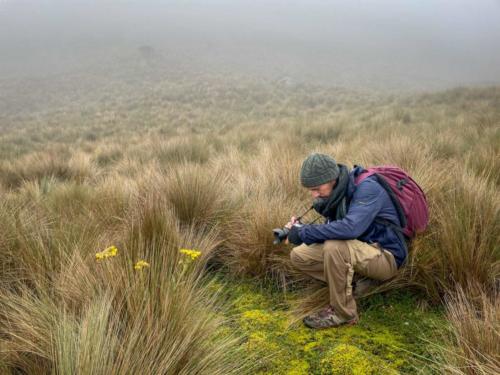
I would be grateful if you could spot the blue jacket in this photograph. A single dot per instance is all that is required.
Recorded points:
(365, 203)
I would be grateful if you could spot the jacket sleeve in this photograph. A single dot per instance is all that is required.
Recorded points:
(366, 203)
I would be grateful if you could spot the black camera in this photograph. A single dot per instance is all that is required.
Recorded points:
(280, 234)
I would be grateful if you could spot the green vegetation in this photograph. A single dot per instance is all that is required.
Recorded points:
(389, 338)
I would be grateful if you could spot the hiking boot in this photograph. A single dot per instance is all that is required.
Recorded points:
(365, 286)
(327, 318)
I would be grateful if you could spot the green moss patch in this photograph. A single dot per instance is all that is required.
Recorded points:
(389, 338)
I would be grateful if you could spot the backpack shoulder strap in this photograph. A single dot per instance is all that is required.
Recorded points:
(399, 210)
(385, 185)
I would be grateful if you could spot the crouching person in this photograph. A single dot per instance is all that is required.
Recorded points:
(362, 234)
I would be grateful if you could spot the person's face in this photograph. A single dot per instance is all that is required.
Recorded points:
(322, 191)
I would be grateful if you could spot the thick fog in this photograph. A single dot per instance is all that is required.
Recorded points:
(395, 44)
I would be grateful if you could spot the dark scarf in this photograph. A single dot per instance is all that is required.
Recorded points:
(334, 206)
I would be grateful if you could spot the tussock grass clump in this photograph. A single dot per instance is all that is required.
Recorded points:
(274, 171)
(43, 165)
(474, 335)
(462, 243)
(484, 161)
(108, 155)
(249, 240)
(267, 193)
(172, 321)
(35, 251)
(182, 149)
(100, 313)
(197, 194)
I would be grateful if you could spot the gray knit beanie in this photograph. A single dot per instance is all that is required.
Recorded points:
(318, 169)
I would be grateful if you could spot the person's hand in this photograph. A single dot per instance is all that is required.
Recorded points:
(294, 235)
(292, 221)
(293, 226)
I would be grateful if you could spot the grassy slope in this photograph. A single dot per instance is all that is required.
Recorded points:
(221, 156)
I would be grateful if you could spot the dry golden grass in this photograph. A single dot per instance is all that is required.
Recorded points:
(474, 335)
(108, 318)
(214, 166)
(63, 312)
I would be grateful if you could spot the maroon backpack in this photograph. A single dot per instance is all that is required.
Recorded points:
(407, 196)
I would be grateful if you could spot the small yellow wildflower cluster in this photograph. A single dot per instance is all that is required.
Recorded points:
(141, 264)
(106, 253)
(192, 254)
(113, 251)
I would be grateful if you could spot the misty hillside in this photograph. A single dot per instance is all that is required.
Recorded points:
(383, 44)
(149, 148)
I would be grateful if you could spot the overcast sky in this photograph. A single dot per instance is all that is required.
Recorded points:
(419, 43)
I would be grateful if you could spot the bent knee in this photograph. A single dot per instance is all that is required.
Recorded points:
(301, 256)
(337, 248)
(295, 257)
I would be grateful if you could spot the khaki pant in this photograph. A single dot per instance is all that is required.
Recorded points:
(335, 262)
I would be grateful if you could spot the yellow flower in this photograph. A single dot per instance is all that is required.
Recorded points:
(140, 265)
(107, 253)
(193, 254)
